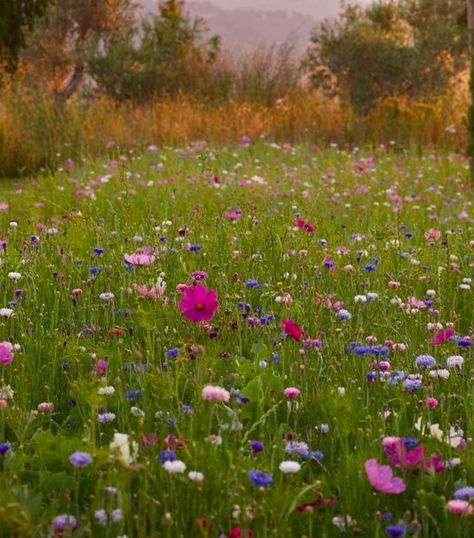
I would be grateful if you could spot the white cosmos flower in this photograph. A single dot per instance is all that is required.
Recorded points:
(195, 476)
(174, 467)
(289, 467)
(14, 276)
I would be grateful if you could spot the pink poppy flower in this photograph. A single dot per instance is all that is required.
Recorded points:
(198, 304)
(382, 479)
(6, 353)
(139, 259)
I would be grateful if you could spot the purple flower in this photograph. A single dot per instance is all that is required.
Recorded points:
(5, 447)
(425, 361)
(256, 446)
(260, 479)
(394, 530)
(63, 523)
(464, 494)
(80, 459)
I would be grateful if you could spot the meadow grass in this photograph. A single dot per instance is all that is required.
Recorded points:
(370, 253)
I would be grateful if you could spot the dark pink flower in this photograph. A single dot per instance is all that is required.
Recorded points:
(443, 336)
(198, 304)
(292, 329)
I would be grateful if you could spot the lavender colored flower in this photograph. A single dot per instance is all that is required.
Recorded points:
(80, 459)
(294, 447)
(465, 493)
(64, 522)
(117, 515)
(101, 517)
(425, 361)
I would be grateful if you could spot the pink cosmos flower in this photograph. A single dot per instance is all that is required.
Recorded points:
(6, 353)
(382, 479)
(139, 259)
(459, 507)
(433, 234)
(215, 394)
(152, 293)
(292, 329)
(198, 304)
(291, 392)
(443, 336)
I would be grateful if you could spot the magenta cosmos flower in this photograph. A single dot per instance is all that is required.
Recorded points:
(198, 304)
(6, 353)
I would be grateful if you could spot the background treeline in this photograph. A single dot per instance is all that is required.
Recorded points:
(79, 74)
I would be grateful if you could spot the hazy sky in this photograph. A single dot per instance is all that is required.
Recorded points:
(314, 7)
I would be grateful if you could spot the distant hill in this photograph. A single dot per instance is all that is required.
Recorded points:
(249, 23)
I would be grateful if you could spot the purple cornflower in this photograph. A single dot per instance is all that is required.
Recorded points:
(396, 531)
(425, 361)
(80, 459)
(259, 478)
(63, 523)
(256, 446)
(464, 494)
(5, 447)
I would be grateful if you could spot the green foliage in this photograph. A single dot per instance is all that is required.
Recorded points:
(410, 48)
(16, 17)
(164, 56)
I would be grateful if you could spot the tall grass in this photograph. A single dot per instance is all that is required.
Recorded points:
(34, 134)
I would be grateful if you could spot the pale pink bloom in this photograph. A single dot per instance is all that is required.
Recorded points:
(152, 293)
(215, 394)
(459, 507)
(291, 392)
(45, 406)
(139, 259)
(393, 284)
(77, 292)
(3, 404)
(4, 207)
(433, 234)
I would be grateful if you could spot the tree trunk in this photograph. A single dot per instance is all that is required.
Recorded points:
(470, 27)
(62, 95)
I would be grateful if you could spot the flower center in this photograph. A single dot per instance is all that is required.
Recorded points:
(200, 306)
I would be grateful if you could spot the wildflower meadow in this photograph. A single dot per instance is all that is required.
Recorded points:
(252, 341)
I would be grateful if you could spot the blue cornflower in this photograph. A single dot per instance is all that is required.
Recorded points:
(5, 447)
(80, 459)
(369, 267)
(94, 270)
(167, 455)
(409, 442)
(316, 455)
(411, 384)
(252, 283)
(396, 531)
(133, 394)
(344, 314)
(425, 361)
(194, 248)
(256, 446)
(172, 353)
(361, 350)
(260, 479)
(98, 250)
